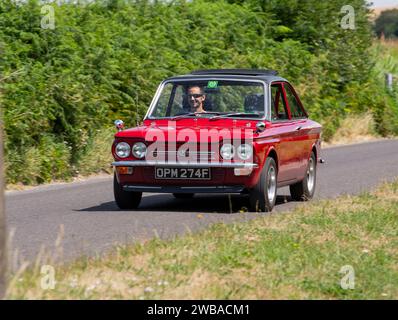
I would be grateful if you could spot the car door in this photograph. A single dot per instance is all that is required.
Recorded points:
(300, 129)
(282, 131)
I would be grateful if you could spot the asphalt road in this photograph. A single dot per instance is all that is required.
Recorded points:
(93, 224)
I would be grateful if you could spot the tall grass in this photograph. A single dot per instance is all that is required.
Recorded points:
(355, 128)
(97, 155)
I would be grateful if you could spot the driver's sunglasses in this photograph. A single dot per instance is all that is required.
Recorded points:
(194, 95)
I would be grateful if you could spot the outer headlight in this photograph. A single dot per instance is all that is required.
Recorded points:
(139, 150)
(227, 151)
(245, 151)
(122, 149)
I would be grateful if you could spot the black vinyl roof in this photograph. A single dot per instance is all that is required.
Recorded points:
(244, 74)
(248, 72)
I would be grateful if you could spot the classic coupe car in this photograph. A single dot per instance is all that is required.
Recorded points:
(219, 131)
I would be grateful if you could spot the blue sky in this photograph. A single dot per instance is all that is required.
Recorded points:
(384, 3)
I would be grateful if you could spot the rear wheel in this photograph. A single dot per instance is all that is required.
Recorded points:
(305, 189)
(263, 195)
(125, 199)
(183, 195)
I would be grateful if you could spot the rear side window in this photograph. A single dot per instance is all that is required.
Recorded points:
(278, 110)
(295, 108)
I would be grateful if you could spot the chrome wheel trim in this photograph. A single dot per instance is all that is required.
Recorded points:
(271, 184)
(311, 175)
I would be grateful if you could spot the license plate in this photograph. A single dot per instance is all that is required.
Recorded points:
(183, 173)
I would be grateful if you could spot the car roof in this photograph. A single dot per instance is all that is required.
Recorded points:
(244, 74)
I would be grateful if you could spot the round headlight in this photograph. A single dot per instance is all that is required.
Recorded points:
(139, 150)
(227, 151)
(122, 150)
(245, 151)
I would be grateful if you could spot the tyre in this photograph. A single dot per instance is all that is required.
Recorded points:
(263, 195)
(183, 195)
(125, 199)
(305, 189)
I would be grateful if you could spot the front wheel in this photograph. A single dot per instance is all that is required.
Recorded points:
(263, 195)
(125, 199)
(305, 189)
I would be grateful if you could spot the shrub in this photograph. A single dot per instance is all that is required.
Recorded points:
(105, 58)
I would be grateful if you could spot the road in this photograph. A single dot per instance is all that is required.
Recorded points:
(92, 224)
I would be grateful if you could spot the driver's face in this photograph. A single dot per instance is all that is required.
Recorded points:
(195, 99)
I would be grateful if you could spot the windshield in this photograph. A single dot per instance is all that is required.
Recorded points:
(210, 98)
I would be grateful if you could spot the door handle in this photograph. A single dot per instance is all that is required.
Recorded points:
(299, 128)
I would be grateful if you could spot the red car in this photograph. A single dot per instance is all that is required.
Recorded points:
(219, 131)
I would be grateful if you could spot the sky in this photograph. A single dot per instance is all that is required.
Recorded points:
(384, 3)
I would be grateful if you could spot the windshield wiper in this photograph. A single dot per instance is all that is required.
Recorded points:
(191, 114)
(235, 114)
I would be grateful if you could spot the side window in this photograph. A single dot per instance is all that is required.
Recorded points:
(295, 108)
(163, 102)
(177, 106)
(278, 108)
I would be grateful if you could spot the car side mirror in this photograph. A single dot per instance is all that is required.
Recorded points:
(119, 124)
(260, 126)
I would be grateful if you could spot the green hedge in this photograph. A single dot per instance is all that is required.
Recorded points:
(104, 60)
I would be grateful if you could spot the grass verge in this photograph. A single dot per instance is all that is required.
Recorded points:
(297, 255)
(354, 129)
(95, 160)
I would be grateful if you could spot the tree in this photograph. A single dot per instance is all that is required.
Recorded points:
(3, 253)
(387, 24)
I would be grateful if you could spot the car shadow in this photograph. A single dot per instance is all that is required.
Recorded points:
(206, 203)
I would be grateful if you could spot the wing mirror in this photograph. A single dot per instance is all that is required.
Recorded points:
(119, 124)
(260, 126)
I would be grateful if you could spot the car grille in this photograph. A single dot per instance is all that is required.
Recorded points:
(201, 153)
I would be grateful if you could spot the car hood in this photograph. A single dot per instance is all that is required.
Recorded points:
(183, 128)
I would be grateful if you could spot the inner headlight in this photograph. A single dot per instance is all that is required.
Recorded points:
(245, 151)
(227, 151)
(122, 149)
(139, 150)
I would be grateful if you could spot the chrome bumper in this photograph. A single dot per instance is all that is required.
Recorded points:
(185, 189)
(184, 164)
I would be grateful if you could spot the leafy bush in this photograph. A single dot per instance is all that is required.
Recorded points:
(105, 58)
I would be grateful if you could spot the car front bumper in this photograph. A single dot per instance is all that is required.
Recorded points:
(184, 164)
(226, 177)
(184, 189)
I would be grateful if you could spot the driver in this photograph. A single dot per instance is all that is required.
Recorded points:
(196, 96)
